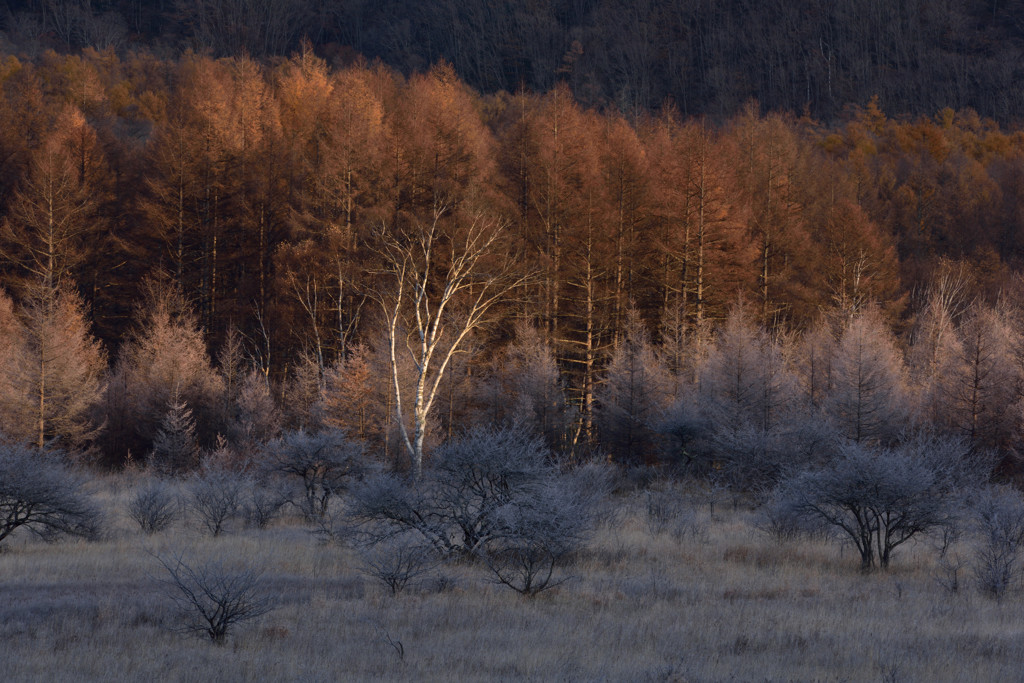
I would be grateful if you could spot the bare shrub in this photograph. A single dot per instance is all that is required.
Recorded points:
(264, 502)
(324, 462)
(948, 574)
(491, 494)
(667, 513)
(397, 561)
(39, 493)
(212, 598)
(216, 497)
(535, 537)
(155, 506)
(1000, 525)
(783, 522)
(880, 499)
(454, 506)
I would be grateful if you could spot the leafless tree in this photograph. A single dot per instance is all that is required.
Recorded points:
(257, 27)
(879, 499)
(39, 493)
(535, 537)
(491, 493)
(999, 520)
(470, 479)
(264, 501)
(397, 561)
(155, 506)
(324, 462)
(216, 497)
(436, 289)
(211, 598)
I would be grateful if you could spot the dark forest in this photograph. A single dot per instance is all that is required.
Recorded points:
(707, 57)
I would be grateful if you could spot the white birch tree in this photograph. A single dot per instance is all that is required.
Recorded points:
(436, 288)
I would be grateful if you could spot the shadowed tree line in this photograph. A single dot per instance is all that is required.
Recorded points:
(708, 57)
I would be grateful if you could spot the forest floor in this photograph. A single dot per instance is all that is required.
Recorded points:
(706, 598)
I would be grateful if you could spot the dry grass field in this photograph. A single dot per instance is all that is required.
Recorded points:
(714, 600)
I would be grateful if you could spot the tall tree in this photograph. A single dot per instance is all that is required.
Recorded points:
(701, 224)
(747, 380)
(435, 291)
(55, 376)
(52, 213)
(767, 171)
(165, 360)
(868, 399)
(980, 384)
(636, 389)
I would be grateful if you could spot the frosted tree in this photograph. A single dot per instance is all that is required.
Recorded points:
(304, 393)
(868, 398)
(980, 383)
(749, 396)
(164, 357)
(253, 418)
(524, 387)
(637, 388)
(814, 361)
(746, 380)
(175, 448)
(932, 359)
(52, 377)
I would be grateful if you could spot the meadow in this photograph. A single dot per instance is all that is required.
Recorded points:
(700, 594)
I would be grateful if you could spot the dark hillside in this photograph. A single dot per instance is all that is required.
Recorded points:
(709, 57)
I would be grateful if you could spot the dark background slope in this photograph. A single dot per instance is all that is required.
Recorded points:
(706, 56)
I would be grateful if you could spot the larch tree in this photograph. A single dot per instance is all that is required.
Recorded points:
(637, 388)
(206, 93)
(175, 448)
(52, 212)
(55, 372)
(12, 348)
(335, 128)
(524, 387)
(747, 380)
(560, 166)
(814, 360)
(768, 156)
(700, 236)
(980, 383)
(253, 418)
(623, 165)
(259, 203)
(355, 396)
(861, 268)
(164, 358)
(868, 398)
(932, 359)
(444, 153)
